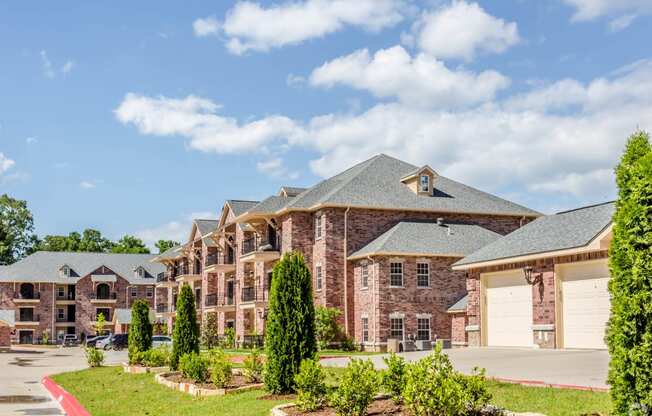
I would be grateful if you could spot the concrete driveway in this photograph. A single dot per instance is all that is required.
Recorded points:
(585, 368)
(21, 371)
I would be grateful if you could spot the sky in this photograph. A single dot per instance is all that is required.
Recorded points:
(135, 117)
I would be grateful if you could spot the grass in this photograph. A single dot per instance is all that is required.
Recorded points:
(322, 353)
(110, 391)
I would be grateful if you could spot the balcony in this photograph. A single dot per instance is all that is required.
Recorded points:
(109, 298)
(27, 319)
(186, 274)
(163, 309)
(251, 295)
(256, 249)
(67, 299)
(27, 298)
(219, 262)
(166, 279)
(210, 301)
(65, 321)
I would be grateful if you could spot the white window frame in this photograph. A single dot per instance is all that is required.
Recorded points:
(364, 276)
(364, 325)
(422, 183)
(61, 292)
(319, 275)
(61, 313)
(319, 223)
(426, 319)
(65, 270)
(427, 274)
(392, 320)
(131, 291)
(149, 292)
(393, 273)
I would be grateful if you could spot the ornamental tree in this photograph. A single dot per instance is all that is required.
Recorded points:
(186, 331)
(290, 330)
(140, 330)
(629, 333)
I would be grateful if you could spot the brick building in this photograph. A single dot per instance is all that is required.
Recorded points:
(62, 293)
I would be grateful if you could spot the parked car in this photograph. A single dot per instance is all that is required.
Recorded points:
(117, 342)
(69, 340)
(91, 342)
(161, 341)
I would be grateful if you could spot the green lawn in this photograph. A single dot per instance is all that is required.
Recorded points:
(110, 391)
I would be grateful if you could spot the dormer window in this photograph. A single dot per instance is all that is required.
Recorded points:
(140, 272)
(424, 183)
(65, 271)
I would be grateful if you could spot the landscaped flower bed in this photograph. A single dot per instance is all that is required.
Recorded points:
(175, 380)
(141, 369)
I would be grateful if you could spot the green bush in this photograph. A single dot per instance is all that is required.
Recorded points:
(357, 389)
(310, 385)
(629, 333)
(253, 366)
(327, 330)
(229, 338)
(221, 368)
(347, 343)
(94, 357)
(476, 392)
(290, 327)
(140, 330)
(209, 336)
(194, 366)
(186, 330)
(393, 379)
(155, 357)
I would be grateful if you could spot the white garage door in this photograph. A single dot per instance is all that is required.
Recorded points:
(585, 303)
(509, 310)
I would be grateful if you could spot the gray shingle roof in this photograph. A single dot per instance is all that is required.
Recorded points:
(270, 205)
(206, 226)
(240, 207)
(43, 266)
(565, 230)
(460, 305)
(170, 254)
(292, 190)
(123, 316)
(428, 238)
(8, 316)
(377, 183)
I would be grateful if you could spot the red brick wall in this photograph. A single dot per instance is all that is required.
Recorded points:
(5, 335)
(458, 329)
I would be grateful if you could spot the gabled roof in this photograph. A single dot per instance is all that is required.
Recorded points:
(43, 266)
(460, 305)
(290, 191)
(552, 233)
(418, 171)
(428, 239)
(376, 183)
(206, 226)
(170, 254)
(270, 205)
(239, 207)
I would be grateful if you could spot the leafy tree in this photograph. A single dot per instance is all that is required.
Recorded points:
(140, 330)
(92, 241)
(629, 333)
(89, 241)
(17, 238)
(290, 330)
(209, 335)
(99, 324)
(327, 329)
(186, 330)
(130, 245)
(165, 245)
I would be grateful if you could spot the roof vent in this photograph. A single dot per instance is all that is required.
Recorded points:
(440, 221)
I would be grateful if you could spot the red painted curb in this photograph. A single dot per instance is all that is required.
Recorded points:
(535, 383)
(67, 401)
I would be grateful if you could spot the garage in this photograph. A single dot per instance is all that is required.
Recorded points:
(585, 303)
(509, 310)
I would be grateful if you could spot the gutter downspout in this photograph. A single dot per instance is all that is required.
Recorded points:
(346, 272)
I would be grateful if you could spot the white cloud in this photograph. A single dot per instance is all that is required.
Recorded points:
(276, 168)
(621, 22)
(195, 118)
(592, 9)
(206, 27)
(421, 80)
(249, 26)
(5, 163)
(462, 30)
(176, 230)
(87, 185)
(31, 140)
(48, 71)
(67, 67)
(293, 80)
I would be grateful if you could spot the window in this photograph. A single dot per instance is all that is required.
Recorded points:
(423, 329)
(150, 291)
(396, 328)
(318, 277)
(61, 314)
(319, 221)
(141, 272)
(61, 292)
(423, 275)
(65, 270)
(134, 292)
(365, 329)
(364, 278)
(424, 183)
(396, 274)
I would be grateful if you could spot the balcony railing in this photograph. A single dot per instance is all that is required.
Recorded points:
(163, 308)
(211, 299)
(67, 296)
(218, 259)
(29, 318)
(253, 294)
(26, 296)
(185, 269)
(110, 296)
(167, 276)
(228, 301)
(256, 243)
(66, 319)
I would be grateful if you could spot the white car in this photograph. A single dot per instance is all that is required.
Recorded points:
(161, 341)
(102, 343)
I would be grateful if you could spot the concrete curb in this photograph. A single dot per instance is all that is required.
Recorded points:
(67, 401)
(536, 383)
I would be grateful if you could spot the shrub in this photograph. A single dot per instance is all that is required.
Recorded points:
(311, 389)
(290, 327)
(229, 338)
(476, 392)
(347, 343)
(327, 329)
(630, 263)
(194, 366)
(155, 357)
(221, 368)
(94, 357)
(185, 327)
(140, 330)
(393, 378)
(209, 336)
(357, 389)
(253, 367)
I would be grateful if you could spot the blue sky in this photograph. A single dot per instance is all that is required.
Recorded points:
(133, 119)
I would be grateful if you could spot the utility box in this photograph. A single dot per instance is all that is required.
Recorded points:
(394, 345)
(423, 345)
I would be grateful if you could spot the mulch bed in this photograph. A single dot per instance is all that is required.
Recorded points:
(236, 381)
(384, 407)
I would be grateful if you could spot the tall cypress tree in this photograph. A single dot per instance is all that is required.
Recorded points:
(140, 329)
(289, 330)
(629, 334)
(186, 331)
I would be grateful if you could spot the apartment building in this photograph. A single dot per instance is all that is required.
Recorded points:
(62, 293)
(380, 239)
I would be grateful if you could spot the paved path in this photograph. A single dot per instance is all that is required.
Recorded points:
(587, 368)
(21, 371)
